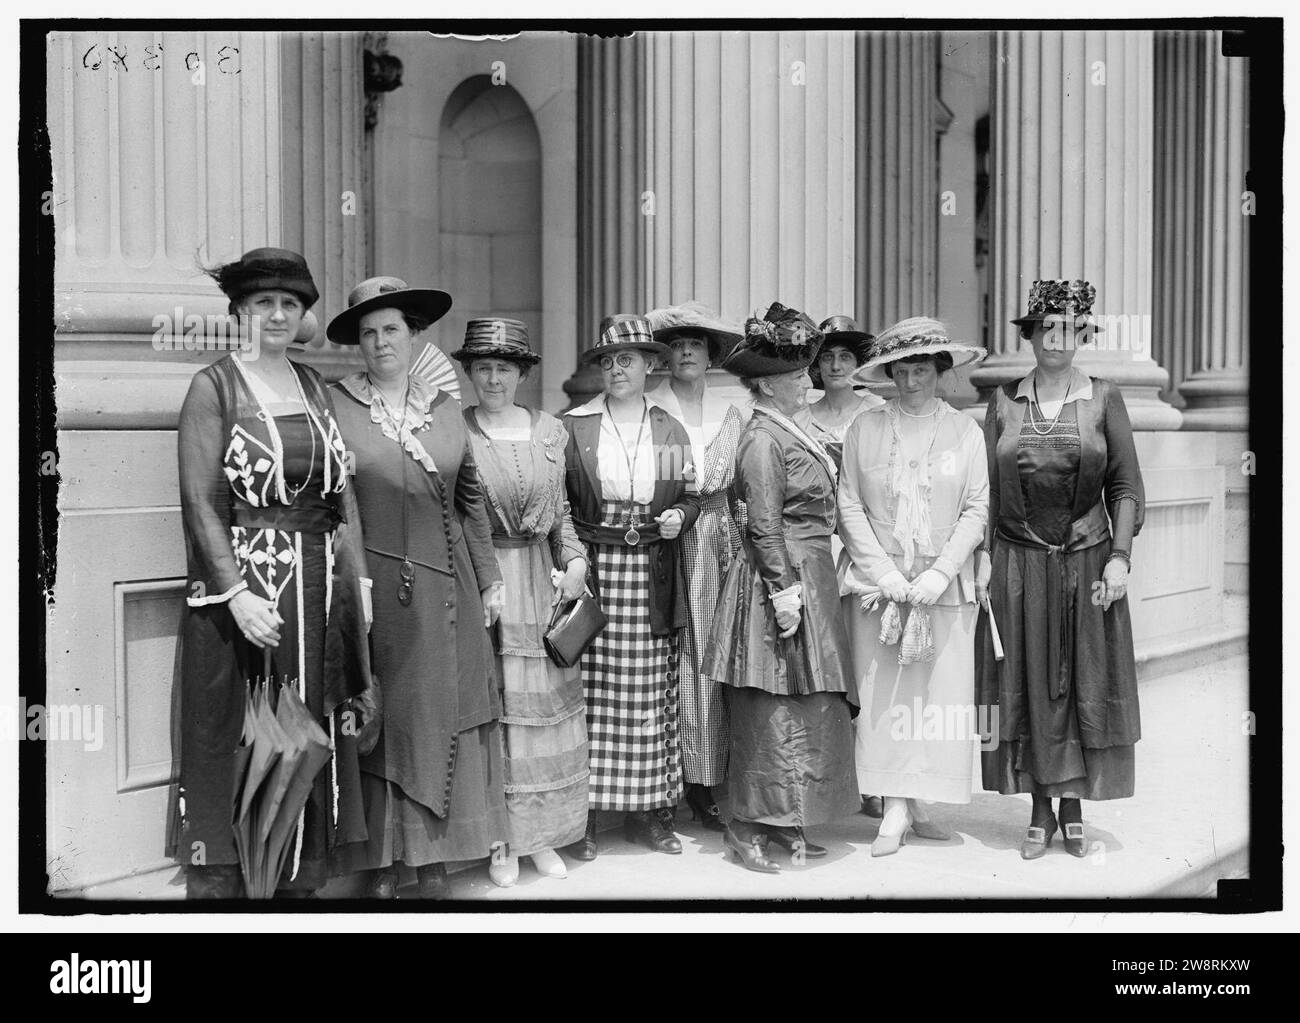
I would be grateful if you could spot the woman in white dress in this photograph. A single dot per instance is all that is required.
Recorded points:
(697, 341)
(913, 506)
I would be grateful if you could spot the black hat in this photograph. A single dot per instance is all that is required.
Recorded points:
(783, 341)
(1066, 302)
(385, 293)
(267, 269)
(842, 331)
(498, 338)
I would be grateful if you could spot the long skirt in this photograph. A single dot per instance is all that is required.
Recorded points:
(1049, 757)
(404, 831)
(917, 728)
(706, 548)
(791, 758)
(629, 677)
(216, 662)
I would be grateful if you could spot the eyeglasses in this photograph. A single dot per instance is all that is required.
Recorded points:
(624, 359)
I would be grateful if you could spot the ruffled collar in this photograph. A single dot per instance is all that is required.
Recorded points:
(910, 483)
(398, 425)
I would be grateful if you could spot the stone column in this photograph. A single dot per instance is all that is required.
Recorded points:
(612, 207)
(1072, 130)
(717, 166)
(897, 177)
(322, 186)
(165, 154)
(1202, 301)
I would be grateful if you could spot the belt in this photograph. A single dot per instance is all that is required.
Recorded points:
(1062, 589)
(506, 541)
(643, 535)
(290, 518)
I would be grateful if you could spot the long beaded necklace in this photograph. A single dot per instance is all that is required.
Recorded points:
(1041, 417)
(631, 536)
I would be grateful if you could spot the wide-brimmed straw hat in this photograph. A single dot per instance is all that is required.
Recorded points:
(692, 319)
(267, 269)
(1058, 301)
(843, 331)
(385, 293)
(496, 338)
(624, 332)
(782, 341)
(918, 335)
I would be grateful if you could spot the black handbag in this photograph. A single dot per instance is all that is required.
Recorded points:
(574, 624)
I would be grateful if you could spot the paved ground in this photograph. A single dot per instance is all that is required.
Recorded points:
(1187, 825)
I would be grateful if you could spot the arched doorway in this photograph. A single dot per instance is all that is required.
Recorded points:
(490, 213)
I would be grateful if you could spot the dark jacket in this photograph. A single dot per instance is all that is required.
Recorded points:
(672, 445)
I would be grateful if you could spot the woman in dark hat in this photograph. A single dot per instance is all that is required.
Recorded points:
(844, 349)
(630, 482)
(433, 783)
(1065, 502)
(274, 565)
(697, 340)
(913, 504)
(778, 641)
(519, 453)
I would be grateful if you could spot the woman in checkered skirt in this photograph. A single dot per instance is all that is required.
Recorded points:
(629, 477)
(697, 341)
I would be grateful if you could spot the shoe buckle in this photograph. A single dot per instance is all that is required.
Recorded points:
(1074, 831)
(1037, 839)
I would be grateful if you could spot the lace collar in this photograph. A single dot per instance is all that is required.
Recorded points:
(399, 426)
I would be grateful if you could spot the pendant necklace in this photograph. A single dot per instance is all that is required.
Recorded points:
(631, 537)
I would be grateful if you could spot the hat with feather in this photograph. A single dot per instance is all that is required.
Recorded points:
(782, 341)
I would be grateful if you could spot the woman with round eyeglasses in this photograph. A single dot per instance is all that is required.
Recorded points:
(628, 473)
(697, 340)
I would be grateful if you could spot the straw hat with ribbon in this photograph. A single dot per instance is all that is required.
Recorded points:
(385, 293)
(624, 332)
(918, 335)
(496, 338)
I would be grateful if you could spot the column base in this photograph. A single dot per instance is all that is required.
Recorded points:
(1216, 401)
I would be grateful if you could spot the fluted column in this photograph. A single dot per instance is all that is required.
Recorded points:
(897, 177)
(1202, 308)
(1073, 165)
(322, 189)
(612, 206)
(159, 164)
(717, 166)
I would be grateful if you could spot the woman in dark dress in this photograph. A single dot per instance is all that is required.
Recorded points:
(1065, 502)
(434, 783)
(779, 643)
(274, 563)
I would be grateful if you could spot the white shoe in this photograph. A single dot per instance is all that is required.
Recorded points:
(506, 873)
(549, 864)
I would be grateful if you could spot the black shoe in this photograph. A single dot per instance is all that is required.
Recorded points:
(432, 878)
(1072, 836)
(873, 807)
(793, 839)
(703, 808)
(651, 830)
(752, 854)
(382, 884)
(585, 847)
(1037, 839)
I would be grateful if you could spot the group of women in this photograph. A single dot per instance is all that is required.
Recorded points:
(769, 570)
